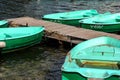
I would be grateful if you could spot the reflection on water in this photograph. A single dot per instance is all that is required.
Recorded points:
(42, 62)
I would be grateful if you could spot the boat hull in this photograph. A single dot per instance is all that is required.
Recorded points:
(111, 28)
(70, 18)
(74, 22)
(76, 76)
(3, 24)
(106, 22)
(16, 43)
(103, 62)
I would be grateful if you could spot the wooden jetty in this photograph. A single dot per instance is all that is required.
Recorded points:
(59, 31)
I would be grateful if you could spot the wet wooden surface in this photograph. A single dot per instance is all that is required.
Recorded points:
(61, 32)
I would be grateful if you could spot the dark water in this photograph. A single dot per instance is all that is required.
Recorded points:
(42, 62)
(37, 8)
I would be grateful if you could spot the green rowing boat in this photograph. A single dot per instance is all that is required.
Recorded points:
(95, 59)
(15, 38)
(103, 22)
(3, 23)
(70, 18)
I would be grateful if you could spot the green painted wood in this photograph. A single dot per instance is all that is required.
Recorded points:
(104, 22)
(3, 23)
(76, 76)
(94, 58)
(18, 37)
(70, 18)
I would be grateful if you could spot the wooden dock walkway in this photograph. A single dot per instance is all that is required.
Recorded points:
(61, 32)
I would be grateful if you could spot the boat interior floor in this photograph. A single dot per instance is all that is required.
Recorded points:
(98, 64)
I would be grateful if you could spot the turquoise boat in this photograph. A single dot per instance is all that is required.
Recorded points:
(12, 39)
(95, 59)
(3, 23)
(103, 22)
(70, 18)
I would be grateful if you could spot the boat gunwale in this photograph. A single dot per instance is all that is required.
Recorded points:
(63, 19)
(46, 17)
(85, 21)
(26, 35)
(2, 22)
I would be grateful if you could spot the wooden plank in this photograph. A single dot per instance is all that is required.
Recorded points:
(60, 31)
